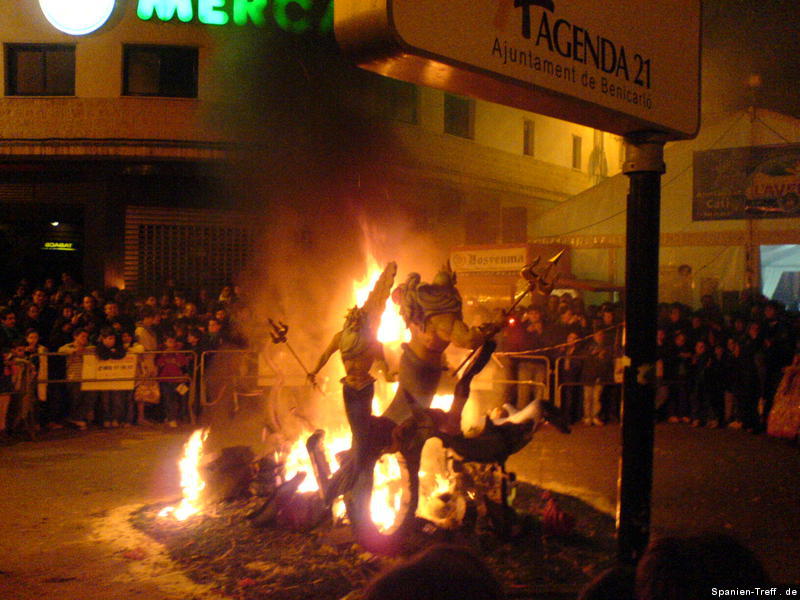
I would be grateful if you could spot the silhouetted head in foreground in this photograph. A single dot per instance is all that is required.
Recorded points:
(444, 572)
(675, 568)
(615, 583)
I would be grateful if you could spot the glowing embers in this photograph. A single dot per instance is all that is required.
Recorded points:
(192, 483)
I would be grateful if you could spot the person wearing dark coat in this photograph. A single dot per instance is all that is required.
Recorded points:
(677, 364)
(779, 346)
(597, 371)
(9, 332)
(753, 364)
(570, 373)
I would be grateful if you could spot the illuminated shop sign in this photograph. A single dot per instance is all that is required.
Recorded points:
(485, 259)
(60, 246)
(294, 16)
(77, 17)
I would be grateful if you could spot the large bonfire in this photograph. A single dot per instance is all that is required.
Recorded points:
(387, 493)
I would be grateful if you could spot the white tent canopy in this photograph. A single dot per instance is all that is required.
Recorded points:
(593, 225)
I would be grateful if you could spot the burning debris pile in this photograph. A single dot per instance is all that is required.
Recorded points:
(221, 548)
(390, 485)
(381, 473)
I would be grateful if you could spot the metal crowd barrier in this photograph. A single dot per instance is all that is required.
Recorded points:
(530, 358)
(191, 381)
(244, 373)
(560, 385)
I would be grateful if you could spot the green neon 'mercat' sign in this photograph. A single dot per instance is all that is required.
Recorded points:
(294, 16)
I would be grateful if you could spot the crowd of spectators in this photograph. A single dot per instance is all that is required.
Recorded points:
(714, 369)
(41, 390)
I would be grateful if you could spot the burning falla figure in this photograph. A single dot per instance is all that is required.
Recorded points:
(432, 312)
(359, 347)
(433, 315)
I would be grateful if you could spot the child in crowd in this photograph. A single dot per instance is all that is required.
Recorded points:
(49, 409)
(743, 385)
(34, 351)
(80, 403)
(113, 402)
(172, 366)
(701, 386)
(23, 381)
(146, 392)
(680, 362)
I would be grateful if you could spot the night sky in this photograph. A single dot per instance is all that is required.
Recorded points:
(741, 37)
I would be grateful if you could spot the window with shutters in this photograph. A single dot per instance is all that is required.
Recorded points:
(169, 71)
(459, 116)
(40, 69)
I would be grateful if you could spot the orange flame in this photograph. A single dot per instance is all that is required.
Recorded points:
(392, 330)
(386, 494)
(192, 483)
(387, 491)
(297, 458)
(386, 497)
(442, 401)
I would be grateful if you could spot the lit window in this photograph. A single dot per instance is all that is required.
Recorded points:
(529, 136)
(40, 70)
(168, 71)
(458, 116)
(577, 143)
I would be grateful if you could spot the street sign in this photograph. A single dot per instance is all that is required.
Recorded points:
(623, 66)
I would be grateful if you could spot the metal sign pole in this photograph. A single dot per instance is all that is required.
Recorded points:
(644, 164)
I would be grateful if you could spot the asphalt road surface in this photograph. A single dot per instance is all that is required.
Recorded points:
(64, 502)
(704, 480)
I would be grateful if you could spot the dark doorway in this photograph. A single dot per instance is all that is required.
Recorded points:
(38, 241)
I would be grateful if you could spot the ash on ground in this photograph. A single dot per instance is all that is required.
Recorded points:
(224, 550)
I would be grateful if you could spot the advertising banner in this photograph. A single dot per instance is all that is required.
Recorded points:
(759, 182)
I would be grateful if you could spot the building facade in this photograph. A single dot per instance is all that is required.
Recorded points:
(116, 144)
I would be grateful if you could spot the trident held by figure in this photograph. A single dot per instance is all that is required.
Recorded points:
(278, 333)
(542, 283)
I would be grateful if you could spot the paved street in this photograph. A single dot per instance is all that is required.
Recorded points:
(55, 492)
(59, 495)
(718, 480)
